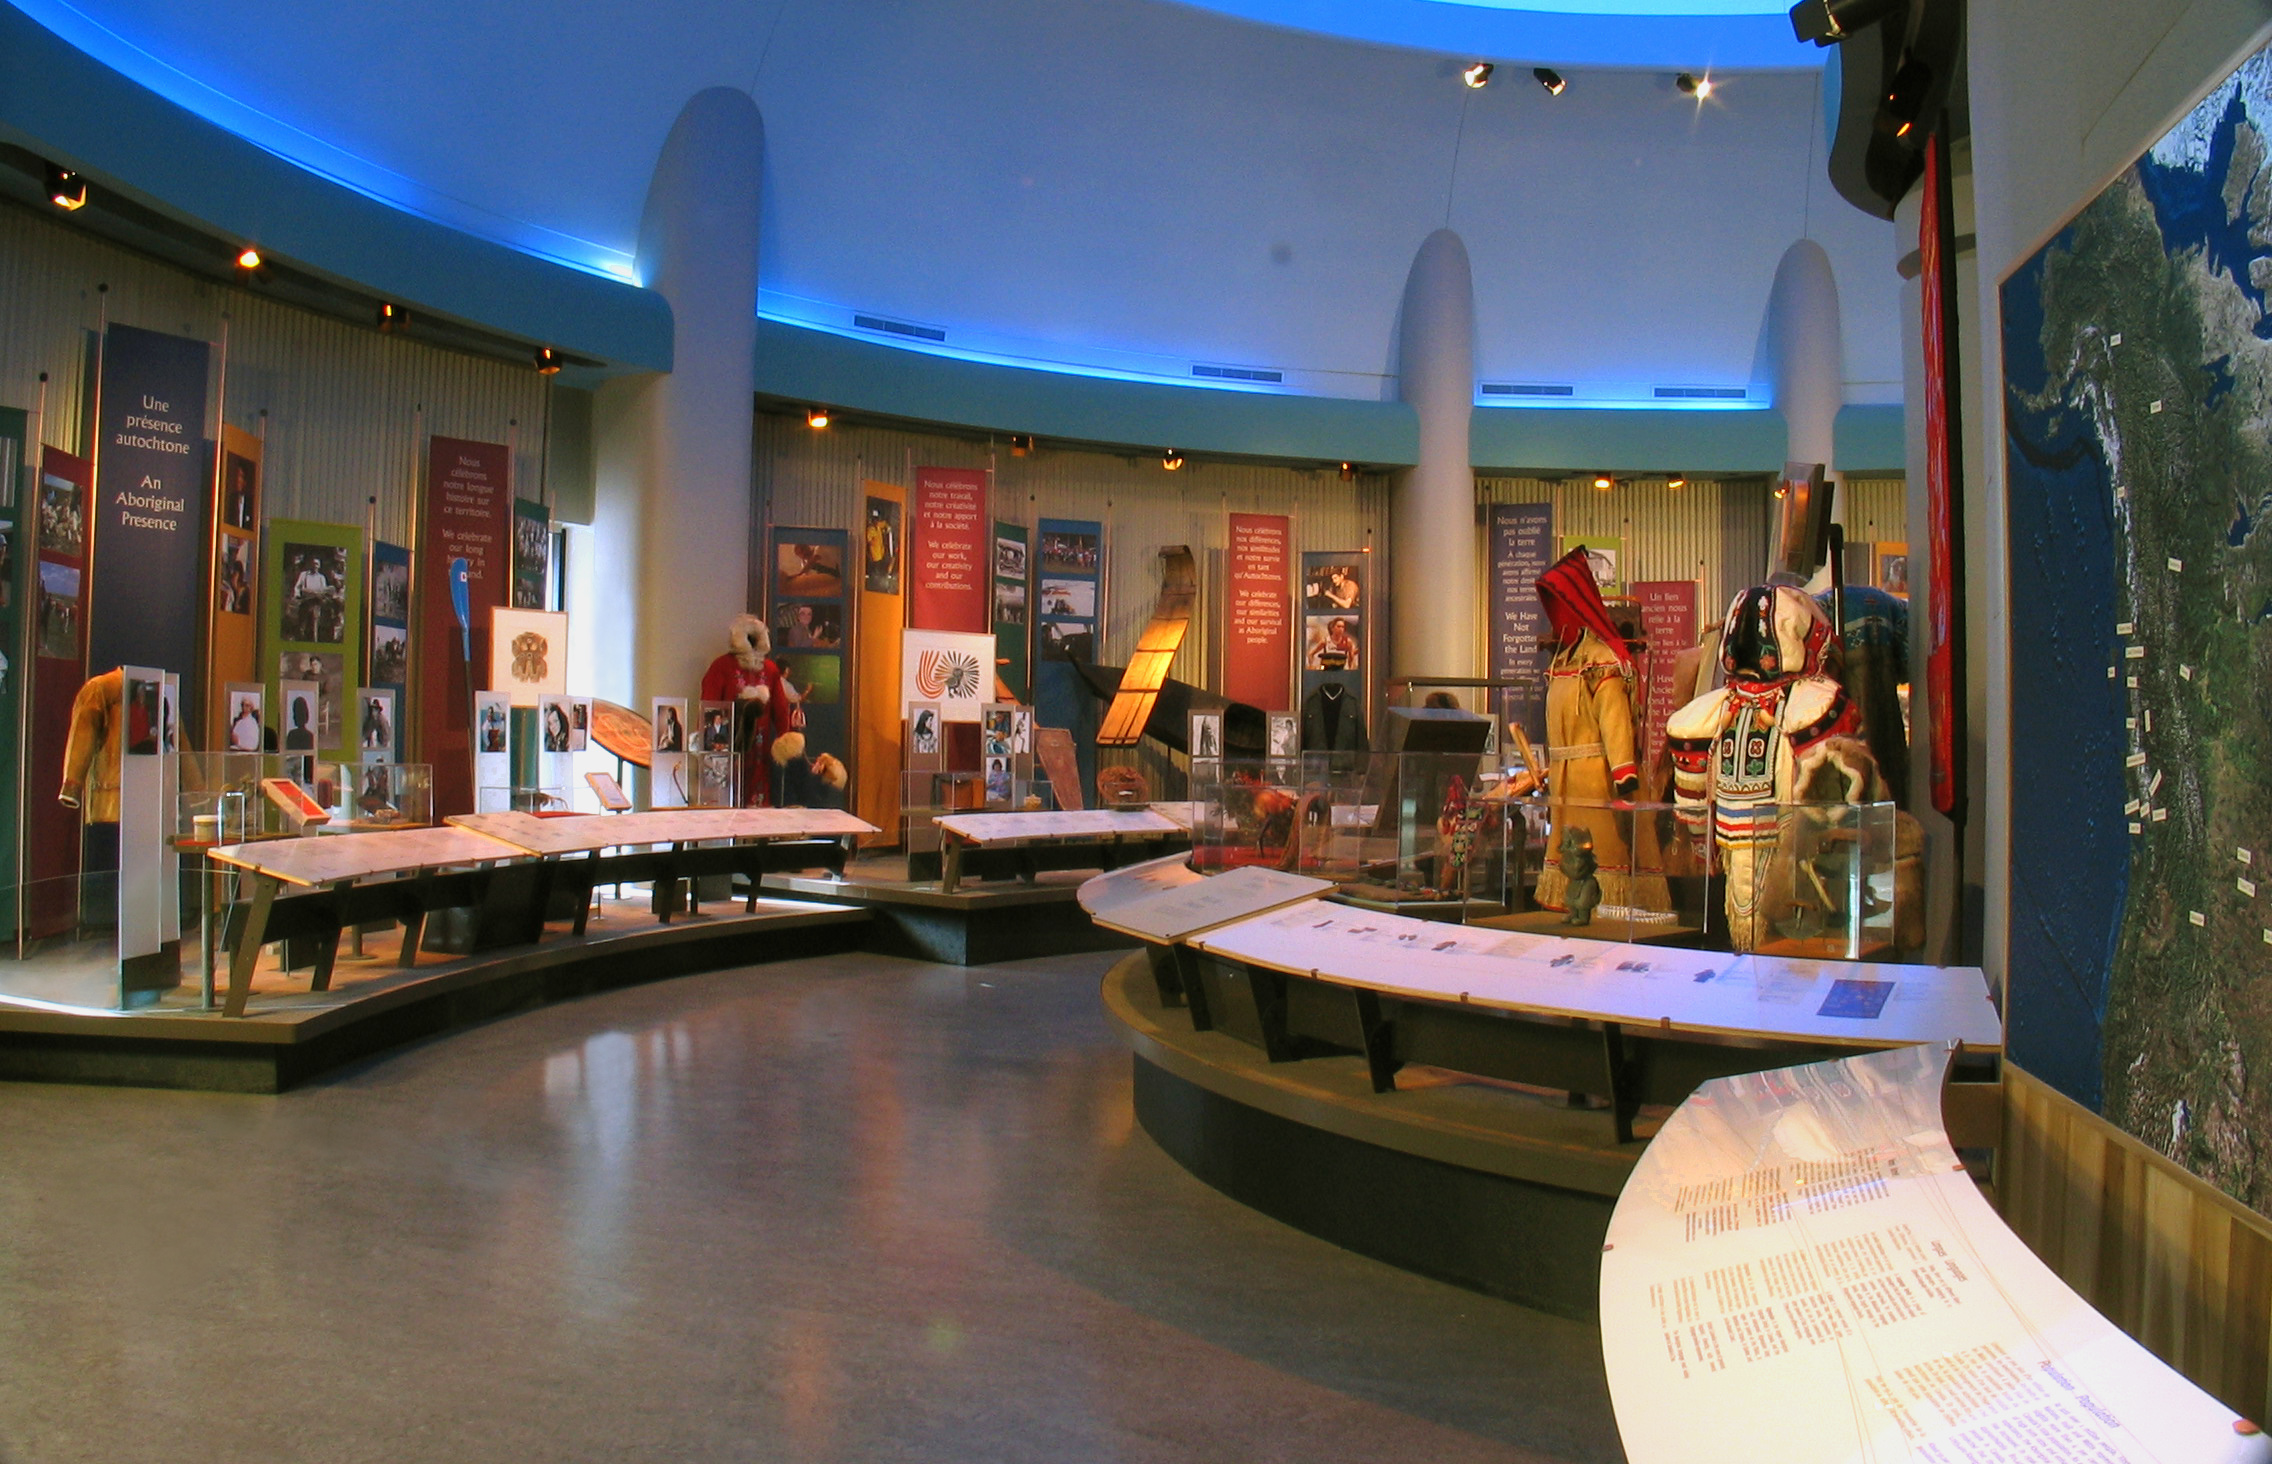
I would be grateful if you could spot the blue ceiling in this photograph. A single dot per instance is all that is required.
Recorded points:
(1104, 186)
(1688, 34)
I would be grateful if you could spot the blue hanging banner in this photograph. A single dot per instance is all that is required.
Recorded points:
(1522, 546)
(1069, 568)
(153, 490)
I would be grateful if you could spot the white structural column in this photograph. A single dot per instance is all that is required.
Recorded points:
(1807, 356)
(669, 562)
(1435, 609)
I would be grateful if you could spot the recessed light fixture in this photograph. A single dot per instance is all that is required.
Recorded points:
(816, 417)
(1171, 460)
(1348, 472)
(1549, 78)
(392, 316)
(1676, 483)
(1478, 75)
(1690, 84)
(1603, 482)
(1020, 445)
(66, 189)
(547, 361)
(249, 260)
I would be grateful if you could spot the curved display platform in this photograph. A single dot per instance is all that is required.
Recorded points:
(1483, 1184)
(293, 1035)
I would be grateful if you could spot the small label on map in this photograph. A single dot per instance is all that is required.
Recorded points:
(2186, 672)
(2156, 785)
(2135, 760)
(2246, 886)
(2137, 828)
(2176, 565)
(2115, 339)
(2125, 627)
(2160, 814)
(2149, 719)
(2130, 807)
(2244, 856)
(2110, 673)
(2197, 917)
(2133, 683)
(2153, 409)
(2268, 937)
(1859, 999)
(2134, 653)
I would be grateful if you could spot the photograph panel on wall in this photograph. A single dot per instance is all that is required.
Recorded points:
(555, 723)
(1332, 643)
(806, 570)
(528, 654)
(532, 555)
(390, 584)
(1068, 640)
(670, 724)
(233, 576)
(714, 727)
(138, 704)
(879, 545)
(390, 654)
(1009, 557)
(377, 729)
(59, 610)
(327, 672)
(240, 493)
(998, 729)
(808, 626)
(1889, 567)
(1069, 598)
(1069, 553)
(315, 593)
(953, 668)
(818, 677)
(1333, 587)
(1206, 736)
(243, 727)
(1009, 602)
(62, 517)
(296, 715)
(923, 729)
(579, 723)
(1285, 734)
(1605, 557)
(492, 729)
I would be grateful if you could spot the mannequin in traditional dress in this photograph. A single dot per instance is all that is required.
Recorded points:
(1592, 739)
(1782, 731)
(765, 707)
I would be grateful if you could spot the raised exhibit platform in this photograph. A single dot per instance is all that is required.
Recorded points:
(1495, 1186)
(292, 1034)
(976, 925)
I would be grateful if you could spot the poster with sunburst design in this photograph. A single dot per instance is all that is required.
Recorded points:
(953, 668)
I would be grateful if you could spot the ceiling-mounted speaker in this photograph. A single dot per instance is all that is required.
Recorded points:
(1892, 68)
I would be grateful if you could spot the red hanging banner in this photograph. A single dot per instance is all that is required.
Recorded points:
(1668, 624)
(1258, 648)
(950, 572)
(1944, 679)
(468, 521)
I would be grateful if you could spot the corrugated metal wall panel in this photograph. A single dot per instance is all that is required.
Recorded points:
(346, 410)
(813, 478)
(1877, 509)
(1714, 530)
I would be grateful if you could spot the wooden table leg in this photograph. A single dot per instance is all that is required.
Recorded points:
(413, 931)
(950, 866)
(327, 956)
(249, 941)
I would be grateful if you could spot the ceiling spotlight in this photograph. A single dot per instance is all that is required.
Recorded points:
(1348, 472)
(1676, 484)
(1549, 78)
(392, 316)
(816, 417)
(249, 260)
(1603, 482)
(1782, 488)
(66, 189)
(547, 361)
(1693, 85)
(1020, 446)
(1478, 75)
(1171, 460)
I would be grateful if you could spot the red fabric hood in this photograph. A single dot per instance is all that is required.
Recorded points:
(1573, 604)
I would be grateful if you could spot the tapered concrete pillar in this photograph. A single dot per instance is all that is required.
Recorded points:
(1807, 356)
(670, 544)
(1435, 612)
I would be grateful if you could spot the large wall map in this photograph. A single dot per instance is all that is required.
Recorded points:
(2138, 419)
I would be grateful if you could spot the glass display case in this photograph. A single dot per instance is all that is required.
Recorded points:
(377, 795)
(1459, 837)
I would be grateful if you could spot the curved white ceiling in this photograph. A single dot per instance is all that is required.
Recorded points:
(1103, 184)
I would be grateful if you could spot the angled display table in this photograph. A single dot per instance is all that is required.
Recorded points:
(983, 845)
(1799, 1269)
(1632, 1024)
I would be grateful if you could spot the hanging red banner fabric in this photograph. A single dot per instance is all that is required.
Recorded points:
(468, 519)
(1258, 648)
(948, 555)
(1668, 624)
(1941, 679)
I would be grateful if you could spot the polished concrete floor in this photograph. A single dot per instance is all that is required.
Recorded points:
(841, 1209)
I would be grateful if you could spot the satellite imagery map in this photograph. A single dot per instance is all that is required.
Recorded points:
(2138, 425)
